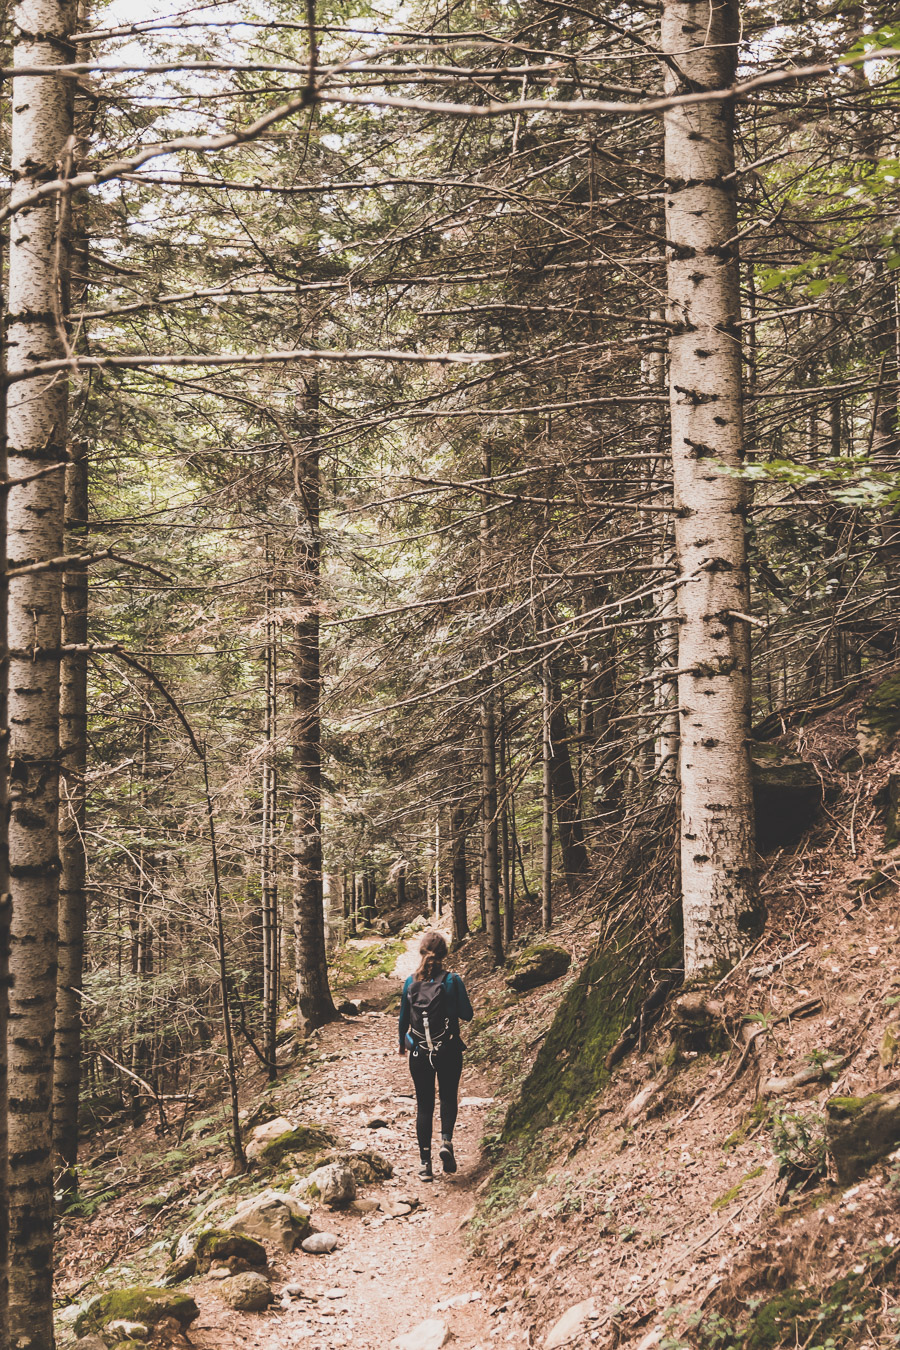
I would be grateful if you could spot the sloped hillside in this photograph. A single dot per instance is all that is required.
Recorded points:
(734, 1182)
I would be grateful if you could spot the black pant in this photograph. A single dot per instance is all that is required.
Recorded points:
(447, 1068)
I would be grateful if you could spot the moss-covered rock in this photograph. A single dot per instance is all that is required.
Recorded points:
(889, 800)
(538, 965)
(219, 1247)
(860, 1131)
(879, 719)
(570, 1069)
(787, 795)
(366, 1165)
(300, 1139)
(246, 1293)
(180, 1268)
(138, 1303)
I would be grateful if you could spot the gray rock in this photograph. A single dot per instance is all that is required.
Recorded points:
(366, 1206)
(366, 1164)
(294, 1290)
(271, 1216)
(129, 1331)
(219, 1273)
(91, 1343)
(319, 1244)
(860, 1131)
(333, 1184)
(248, 1292)
(538, 965)
(428, 1335)
(376, 1123)
(265, 1134)
(567, 1329)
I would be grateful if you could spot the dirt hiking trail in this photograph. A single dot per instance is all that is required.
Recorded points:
(390, 1272)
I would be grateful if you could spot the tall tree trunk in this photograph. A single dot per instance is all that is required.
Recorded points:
(546, 796)
(507, 870)
(565, 793)
(459, 880)
(490, 838)
(5, 898)
(719, 894)
(314, 1001)
(269, 851)
(73, 761)
(36, 429)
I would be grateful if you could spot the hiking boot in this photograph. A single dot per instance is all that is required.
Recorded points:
(425, 1172)
(448, 1161)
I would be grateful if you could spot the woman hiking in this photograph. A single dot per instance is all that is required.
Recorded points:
(432, 1004)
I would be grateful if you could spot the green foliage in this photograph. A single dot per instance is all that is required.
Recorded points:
(798, 1139)
(357, 964)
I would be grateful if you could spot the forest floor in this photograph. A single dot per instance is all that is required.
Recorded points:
(691, 1203)
(390, 1272)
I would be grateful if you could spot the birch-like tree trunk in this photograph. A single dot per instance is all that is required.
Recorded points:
(314, 1002)
(36, 430)
(699, 41)
(5, 897)
(489, 799)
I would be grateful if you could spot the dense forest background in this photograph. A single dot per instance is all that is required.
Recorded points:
(368, 571)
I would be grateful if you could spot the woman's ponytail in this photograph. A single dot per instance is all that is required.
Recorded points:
(432, 949)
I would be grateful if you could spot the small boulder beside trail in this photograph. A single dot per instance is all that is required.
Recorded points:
(428, 1335)
(271, 1216)
(319, 1244)
(271, 1143)
(861, 1131)
(139, 1303)
(571, 1328)
(248, 1292)
(219, 1247)
(538, 965)
(366, 1164)
(334, 1184)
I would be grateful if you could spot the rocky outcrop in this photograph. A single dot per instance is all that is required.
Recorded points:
(139, 1303)
(861, 1131)
(272, 1216)
(787, 796)
(246, 1293)
(537, 965)
(879, 719)
(333, 1185)
(366, 1164)
(271, 1143)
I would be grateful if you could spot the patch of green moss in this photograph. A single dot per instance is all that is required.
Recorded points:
(846, 1106)
(356, 965)
(136, 1304)
(754, 1117)
(301, 1139)
(570, 1067)
(881, 710)
(735, 1191)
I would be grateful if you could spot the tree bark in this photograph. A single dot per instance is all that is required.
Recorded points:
(565, 792)
(36, 428)
(72, 899)
(5, 898)
(459, 880)
(314, 1002)
(490, 839)
(546, 797)
(269, 860)
(719, 893)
